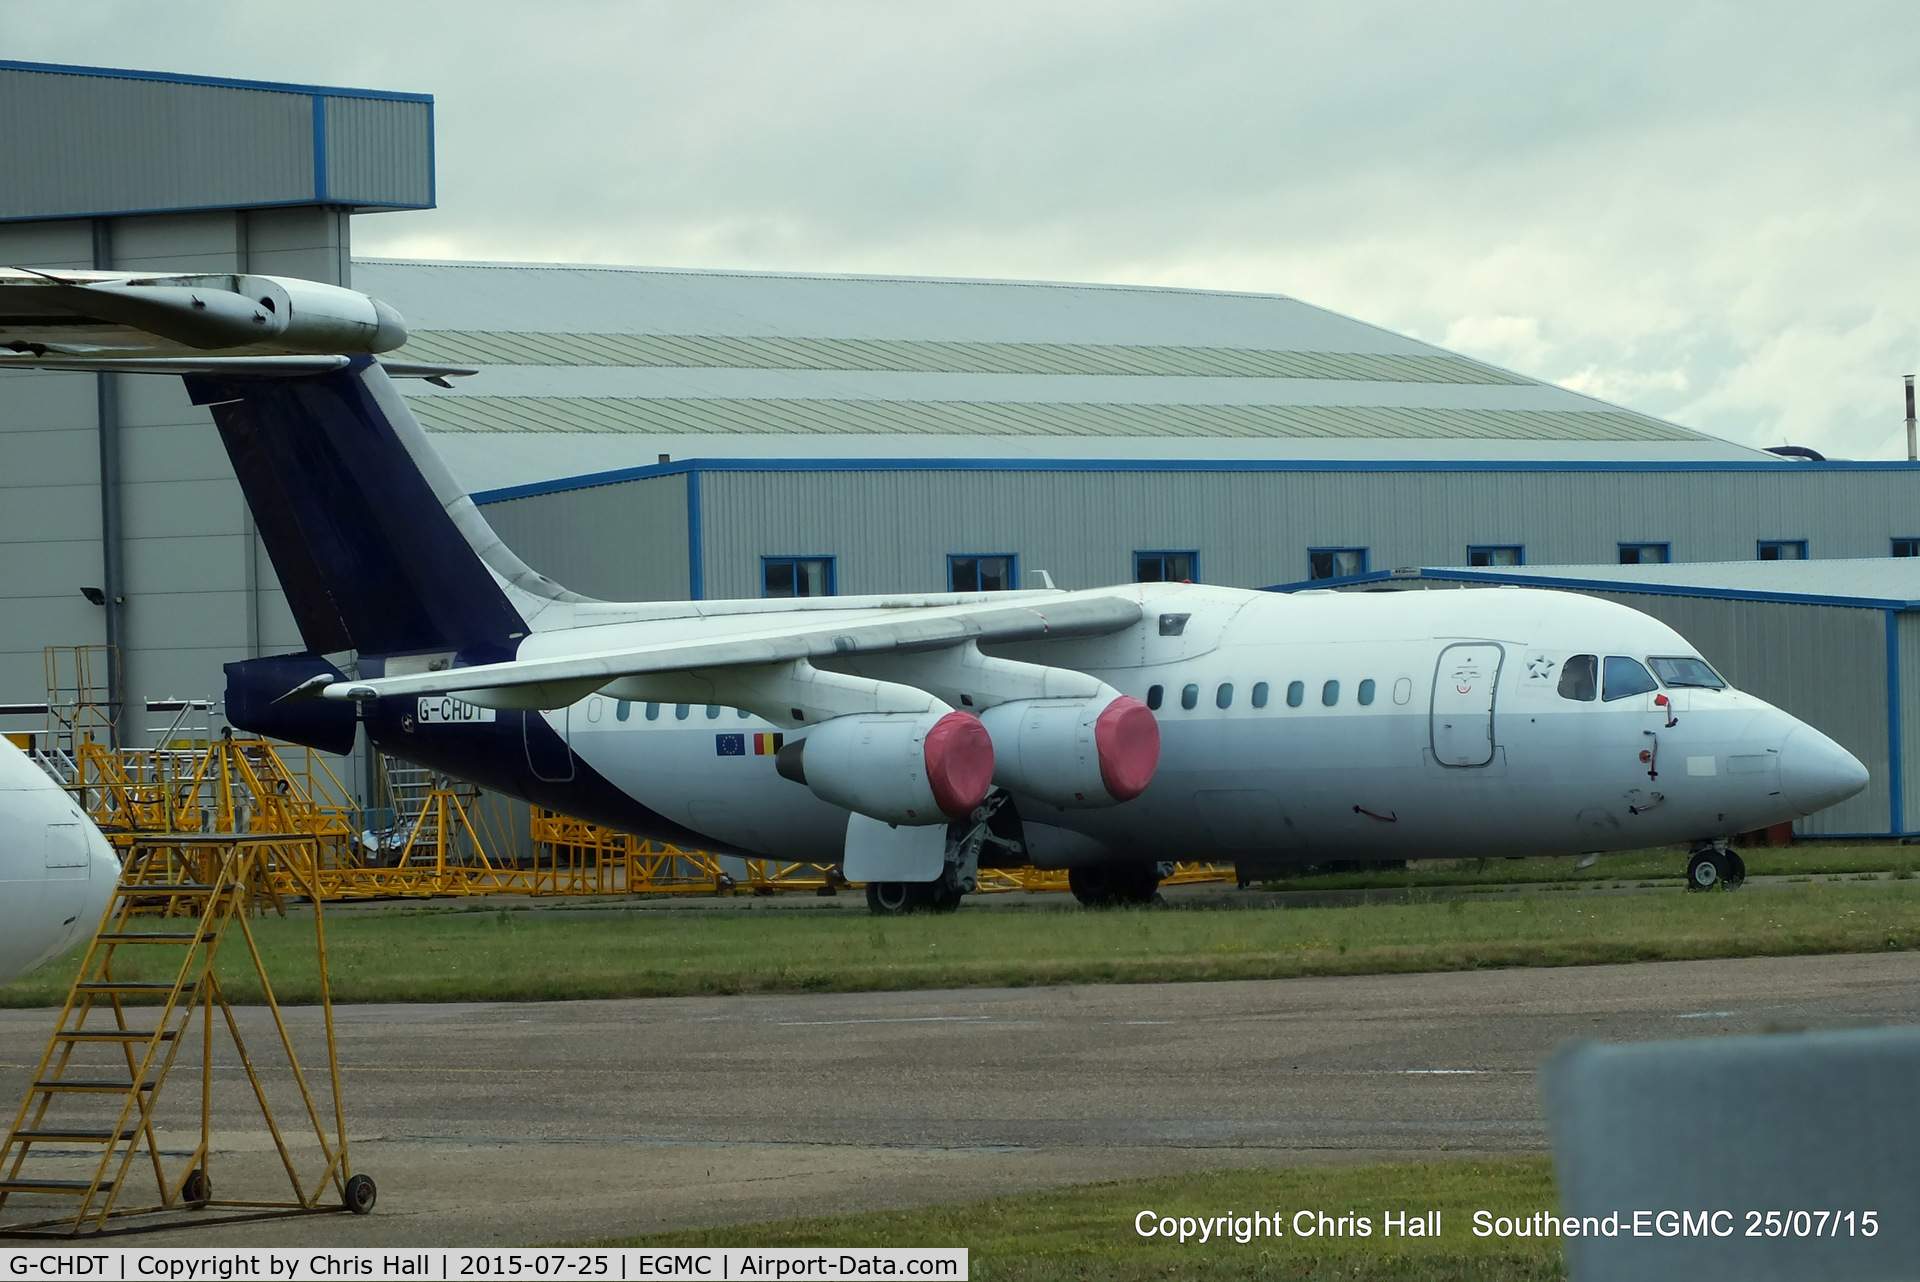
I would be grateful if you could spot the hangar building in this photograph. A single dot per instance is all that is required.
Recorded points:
(663, 434)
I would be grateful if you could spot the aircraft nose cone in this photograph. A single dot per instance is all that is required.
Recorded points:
(1816, 772)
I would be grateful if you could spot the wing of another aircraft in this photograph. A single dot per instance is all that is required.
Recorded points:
(106, 314)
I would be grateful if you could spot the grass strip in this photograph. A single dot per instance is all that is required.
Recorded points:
(414, 954)
(1087, 1231)
(1660, 864)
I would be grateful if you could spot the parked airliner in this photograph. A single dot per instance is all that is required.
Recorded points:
(57, 872)
(916, 738)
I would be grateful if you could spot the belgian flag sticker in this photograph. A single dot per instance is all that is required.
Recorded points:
(766, 744)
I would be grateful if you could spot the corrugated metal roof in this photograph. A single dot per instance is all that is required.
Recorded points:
(713, 351)
(771, 417)
(846, 362)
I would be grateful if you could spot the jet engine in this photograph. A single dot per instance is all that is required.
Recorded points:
(913, 768)
(1074, 753)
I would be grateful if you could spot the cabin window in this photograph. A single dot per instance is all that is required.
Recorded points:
(1330, 694)
(1403, 690)
(1296, 693)
(621, 709)
(653, 712)
(1223, 697)
(1155, 696)
(971, 572)
(793, 576)
(1687, 672)
(1624, 678)
(1173, 625)
(713, 712)
(1365, 692)
(1190, 697)
(680, 711)
(1259, 694)
(1580, 678)
(742, 713)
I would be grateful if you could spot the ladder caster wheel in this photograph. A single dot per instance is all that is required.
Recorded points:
(360, 1195)
(197, 1189)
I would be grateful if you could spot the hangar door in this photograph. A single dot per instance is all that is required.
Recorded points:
(1462, 718)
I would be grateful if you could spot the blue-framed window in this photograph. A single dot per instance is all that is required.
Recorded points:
(1166, 567)
(1906, 547)
(1782, 550)
(784, 576)
(1646, 553)
(1490, 555)
(1336, 563)
(983, 572)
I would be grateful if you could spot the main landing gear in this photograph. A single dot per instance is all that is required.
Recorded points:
(1117, 885)
(1716, 865)
(898, 898)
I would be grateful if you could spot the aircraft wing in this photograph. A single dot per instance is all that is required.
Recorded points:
(104, 314)
(750, 641)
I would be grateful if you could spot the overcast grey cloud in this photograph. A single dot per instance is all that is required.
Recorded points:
(1703, 212)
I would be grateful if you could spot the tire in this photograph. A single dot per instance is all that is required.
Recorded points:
(898, 898)
(361, 1195)
(196, 1190)
(1707, 869)
(1115, 885)
(1736, 870)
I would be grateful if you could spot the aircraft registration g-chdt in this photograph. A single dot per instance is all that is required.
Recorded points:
(916, 738)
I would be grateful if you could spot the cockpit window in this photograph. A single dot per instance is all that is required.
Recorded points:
(1580, 678)
(1687, 672)
(1626, 677)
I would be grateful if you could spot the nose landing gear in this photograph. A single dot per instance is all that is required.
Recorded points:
(1716, 865)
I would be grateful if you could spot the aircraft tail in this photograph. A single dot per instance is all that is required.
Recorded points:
(377, 546)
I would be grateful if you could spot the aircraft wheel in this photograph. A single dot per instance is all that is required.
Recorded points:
(360, 1195)
(197, 1190)
(898, 898)
(1736, 870)
(944, 897)
(1706, 870)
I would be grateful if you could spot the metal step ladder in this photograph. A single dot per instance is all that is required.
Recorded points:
(103, 1106)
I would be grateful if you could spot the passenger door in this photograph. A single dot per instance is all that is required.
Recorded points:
(1463, 692)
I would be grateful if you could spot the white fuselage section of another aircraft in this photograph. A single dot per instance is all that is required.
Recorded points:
(57, 872)
(1317, 725)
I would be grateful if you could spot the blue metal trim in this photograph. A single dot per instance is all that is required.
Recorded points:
(696, 552)
(616, 476)
(1896, 779)
(218, 82)
(304, 202)
(319, 148)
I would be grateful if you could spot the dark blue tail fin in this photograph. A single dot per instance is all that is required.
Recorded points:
(376, 546)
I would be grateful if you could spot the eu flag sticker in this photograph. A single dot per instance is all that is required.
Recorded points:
(730, 745)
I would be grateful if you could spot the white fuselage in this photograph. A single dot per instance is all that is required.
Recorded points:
(1422, 724)
(57, 872)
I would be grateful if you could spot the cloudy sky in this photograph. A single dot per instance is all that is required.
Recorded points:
(1706, 212)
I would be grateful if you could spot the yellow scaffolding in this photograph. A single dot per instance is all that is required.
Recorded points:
(79, 1136)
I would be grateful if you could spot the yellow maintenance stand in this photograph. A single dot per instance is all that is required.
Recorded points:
(88, 1151)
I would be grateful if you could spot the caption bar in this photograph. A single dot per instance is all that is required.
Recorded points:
(313, 1264)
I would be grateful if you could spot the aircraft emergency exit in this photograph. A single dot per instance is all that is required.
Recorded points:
(57, 873)
(916, 738)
